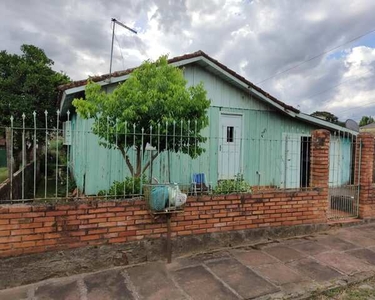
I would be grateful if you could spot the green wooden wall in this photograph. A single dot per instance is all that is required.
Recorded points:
(95, 167)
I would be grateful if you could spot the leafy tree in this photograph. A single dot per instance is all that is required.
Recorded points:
(154, 95)
(325, 115)
(366, 120)
(28, 83)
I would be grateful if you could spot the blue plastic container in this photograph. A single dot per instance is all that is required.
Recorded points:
(159, 198)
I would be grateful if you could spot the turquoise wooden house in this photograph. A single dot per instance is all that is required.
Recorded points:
(250, 133)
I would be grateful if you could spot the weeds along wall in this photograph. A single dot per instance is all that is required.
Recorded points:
(39, 228)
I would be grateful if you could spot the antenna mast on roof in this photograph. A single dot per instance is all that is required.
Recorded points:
(113, 36)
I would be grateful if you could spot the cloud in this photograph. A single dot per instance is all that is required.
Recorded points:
(255, 38)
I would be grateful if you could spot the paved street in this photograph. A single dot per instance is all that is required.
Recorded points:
(280, 268)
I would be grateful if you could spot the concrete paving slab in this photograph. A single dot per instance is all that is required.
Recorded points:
(345, 263)
(311, 247)
(200, 284)
(295, 241)
(364, 254)
(152, 282)
(241, 279)
(253, 257)
(279, 274)
(107, 285)
(356, 237)
(19, 293)
(369, 228)
(335, 243)
(57, 291)
(314, 270)
(284, 253)
(183, 262)
(366, 231)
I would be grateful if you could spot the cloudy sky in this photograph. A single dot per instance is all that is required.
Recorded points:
(257, 39)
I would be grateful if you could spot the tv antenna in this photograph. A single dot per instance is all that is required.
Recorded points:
(114, 22)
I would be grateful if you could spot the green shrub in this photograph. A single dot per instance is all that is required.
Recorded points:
(132, 186)
(229, 186)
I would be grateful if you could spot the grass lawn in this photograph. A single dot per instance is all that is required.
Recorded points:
(3, 174)
(360, 291)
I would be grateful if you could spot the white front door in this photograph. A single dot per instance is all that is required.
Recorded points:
(291, 161)
(230, 144)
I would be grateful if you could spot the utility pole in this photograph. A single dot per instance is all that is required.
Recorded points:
(114, 22)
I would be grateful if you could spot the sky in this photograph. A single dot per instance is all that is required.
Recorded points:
(258, 39)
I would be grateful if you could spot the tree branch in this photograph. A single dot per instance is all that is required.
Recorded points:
(150, 162)
(127, 160)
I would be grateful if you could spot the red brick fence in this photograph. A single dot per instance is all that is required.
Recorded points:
(31, 229)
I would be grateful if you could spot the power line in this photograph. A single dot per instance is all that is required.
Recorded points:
(335, 86)
(357, 107)
(315, 56)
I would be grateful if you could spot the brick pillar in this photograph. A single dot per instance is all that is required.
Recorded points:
(319, 168)
(365, 166)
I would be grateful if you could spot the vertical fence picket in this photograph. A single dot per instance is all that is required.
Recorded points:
(188, 150)
(107, 159)
(23, 156)
(141, 159)
(195, 156)
(57, 152)
(181, 149)
(116, 147)
(11, 158)
(151, 156)
(45, 154)
(125, 151)
(174, 144)
(159, 154)
(68, 150)
(134, 159)
(34, 154)
(166, 166)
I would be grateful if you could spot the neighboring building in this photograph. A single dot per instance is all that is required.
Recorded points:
(368, 128)
(273, 149)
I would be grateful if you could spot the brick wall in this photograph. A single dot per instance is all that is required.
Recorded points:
(32, 229)
(367, 187)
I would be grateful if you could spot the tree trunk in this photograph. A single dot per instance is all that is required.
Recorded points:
(138, 171)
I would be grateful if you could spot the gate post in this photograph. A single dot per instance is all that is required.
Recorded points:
(319, 166)
(365, 169)
(319, 174)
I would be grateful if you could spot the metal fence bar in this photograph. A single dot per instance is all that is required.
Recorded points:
(260, 159)
(23, 156)
(45, 154)
(34, 154)
(57, 151)
(12, 158)
(68, 156)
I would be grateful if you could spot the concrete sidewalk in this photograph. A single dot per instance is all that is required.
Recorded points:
(279, 269)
